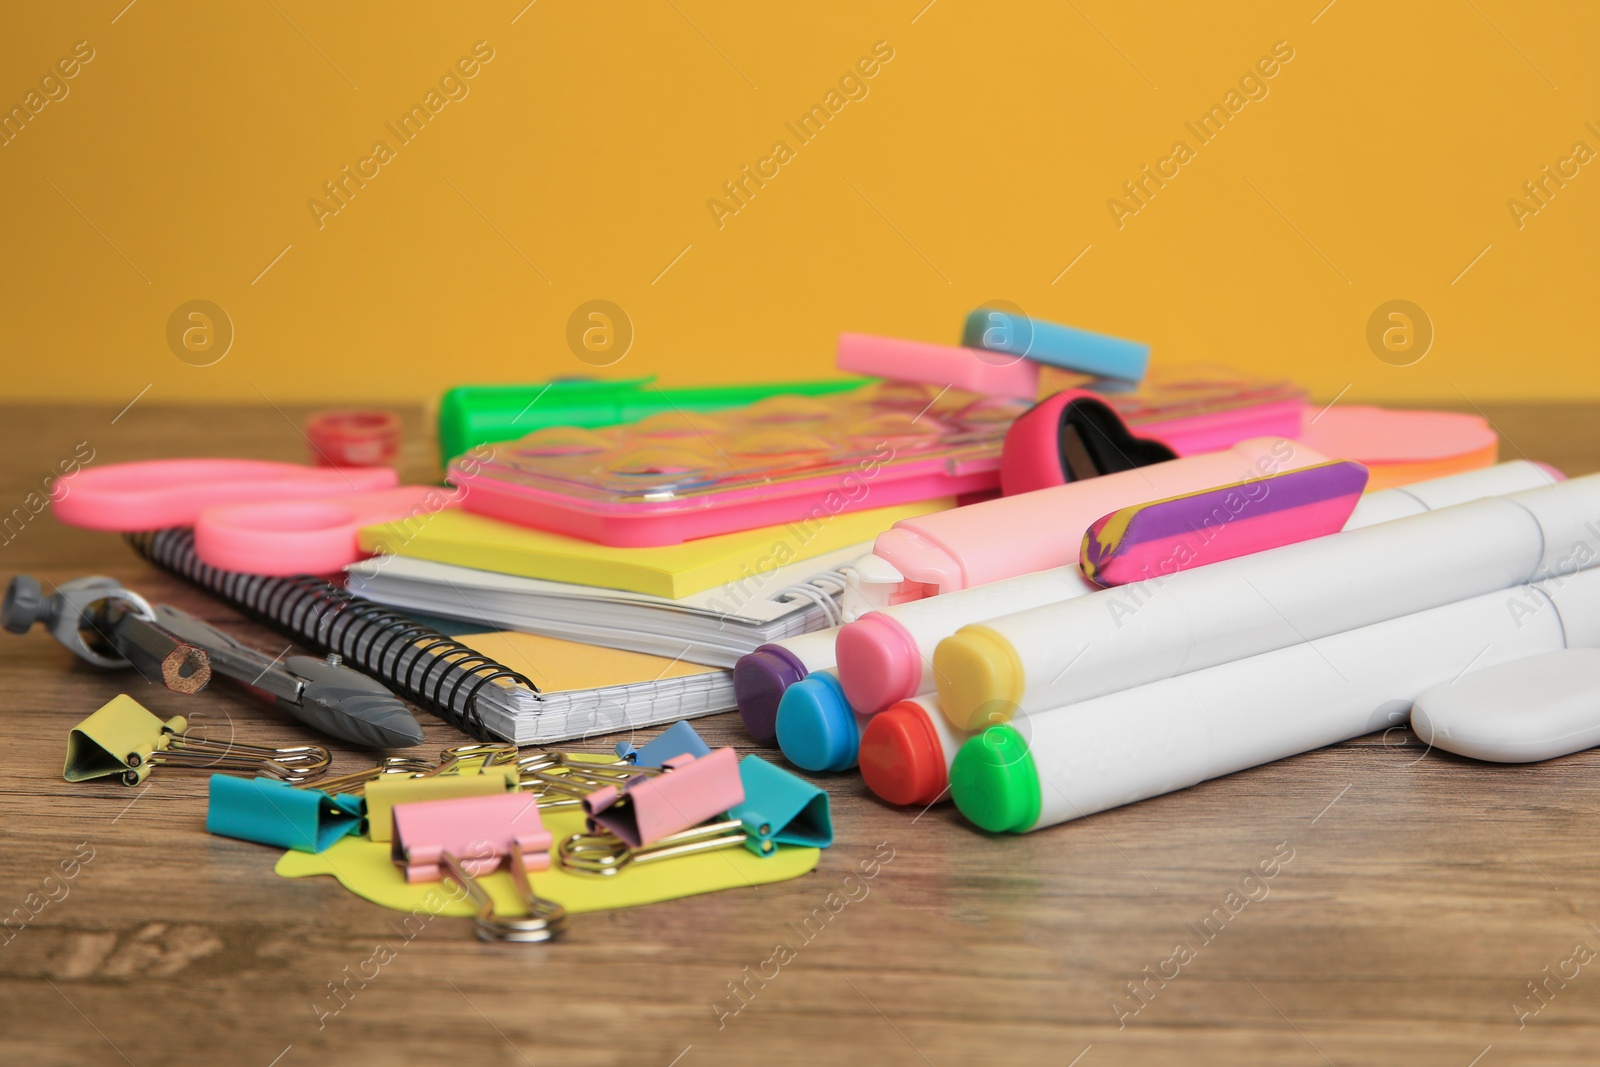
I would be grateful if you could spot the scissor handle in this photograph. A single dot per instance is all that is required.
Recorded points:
(154, 494)
(306, 536)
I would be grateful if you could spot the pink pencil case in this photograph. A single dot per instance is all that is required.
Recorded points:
(678, 476)
(1207, 411)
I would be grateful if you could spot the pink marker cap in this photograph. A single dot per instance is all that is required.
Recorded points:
(878, 663)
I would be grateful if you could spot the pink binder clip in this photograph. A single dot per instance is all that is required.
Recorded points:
(687, 793)
(479, 831)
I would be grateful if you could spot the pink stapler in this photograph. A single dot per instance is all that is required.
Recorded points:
(480, 832)
(686, 793)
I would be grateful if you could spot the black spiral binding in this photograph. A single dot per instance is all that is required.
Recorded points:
(323, 616)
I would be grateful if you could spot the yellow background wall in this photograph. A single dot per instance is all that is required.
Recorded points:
(978, 166)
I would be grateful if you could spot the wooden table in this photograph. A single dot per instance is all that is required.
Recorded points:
(1423, 895)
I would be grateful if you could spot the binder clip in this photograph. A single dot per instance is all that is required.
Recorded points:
(385, 792)
(478, 831)
(780, 808)
(545, 918)
(676, 740)
(123, 739)
(270, 812)
(687, 792)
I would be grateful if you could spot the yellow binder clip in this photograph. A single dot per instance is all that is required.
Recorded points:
(124, 740)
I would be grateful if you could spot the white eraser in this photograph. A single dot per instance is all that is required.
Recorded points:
(1536, 708)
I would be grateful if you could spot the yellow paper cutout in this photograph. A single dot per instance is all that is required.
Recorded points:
(365, 868)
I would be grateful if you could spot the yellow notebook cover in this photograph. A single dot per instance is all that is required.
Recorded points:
(673, 571)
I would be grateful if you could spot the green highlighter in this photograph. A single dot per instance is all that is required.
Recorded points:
(471, 415)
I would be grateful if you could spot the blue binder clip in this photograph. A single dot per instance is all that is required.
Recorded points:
(679, 739)
(780, 808)
(272, 813)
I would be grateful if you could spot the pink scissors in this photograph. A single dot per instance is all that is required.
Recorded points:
(249, 515)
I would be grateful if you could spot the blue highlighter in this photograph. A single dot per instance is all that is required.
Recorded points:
(817, 729)
(1058, 346)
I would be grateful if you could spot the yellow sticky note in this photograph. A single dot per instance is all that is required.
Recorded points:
(674, 571)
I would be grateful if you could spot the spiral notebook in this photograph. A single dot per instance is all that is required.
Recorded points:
(585, 690)
(714, 627)
(588, 691)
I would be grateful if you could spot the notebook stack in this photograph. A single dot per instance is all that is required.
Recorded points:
(615, 638)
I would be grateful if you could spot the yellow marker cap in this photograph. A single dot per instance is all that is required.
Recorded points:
(979, 676)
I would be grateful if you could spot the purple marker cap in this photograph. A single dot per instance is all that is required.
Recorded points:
(759, 680)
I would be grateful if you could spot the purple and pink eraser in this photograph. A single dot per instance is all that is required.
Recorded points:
(1163, 537)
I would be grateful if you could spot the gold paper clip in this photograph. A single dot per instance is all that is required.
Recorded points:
(482, 753)
(606, 853)
(557, 780)
(355, 783)
(298, 763)
(545, 918)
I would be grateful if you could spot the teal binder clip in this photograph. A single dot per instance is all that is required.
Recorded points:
(780, 808)
(270, 812)
(679, 739)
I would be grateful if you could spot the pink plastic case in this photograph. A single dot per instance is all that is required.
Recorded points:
(677, 476)
(1199, 408)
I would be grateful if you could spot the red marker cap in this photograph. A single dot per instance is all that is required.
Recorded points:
(902, 754)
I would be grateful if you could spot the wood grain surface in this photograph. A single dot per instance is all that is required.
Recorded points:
(1423, 899)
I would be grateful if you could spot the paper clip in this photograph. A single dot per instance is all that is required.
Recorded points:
(607, 854)
(479, 831)
(676, 740)
(355, 782)
(545, 918)
(124, 739)
(687, 792)
(478, 754)
(558, 780)
(271, 812)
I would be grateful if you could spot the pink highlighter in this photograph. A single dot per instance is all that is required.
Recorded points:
(1035, 531)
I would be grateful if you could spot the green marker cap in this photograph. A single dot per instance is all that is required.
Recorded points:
(994, 781)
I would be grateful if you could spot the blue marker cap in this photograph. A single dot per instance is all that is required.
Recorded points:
(1059, 346)
(817, 730)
